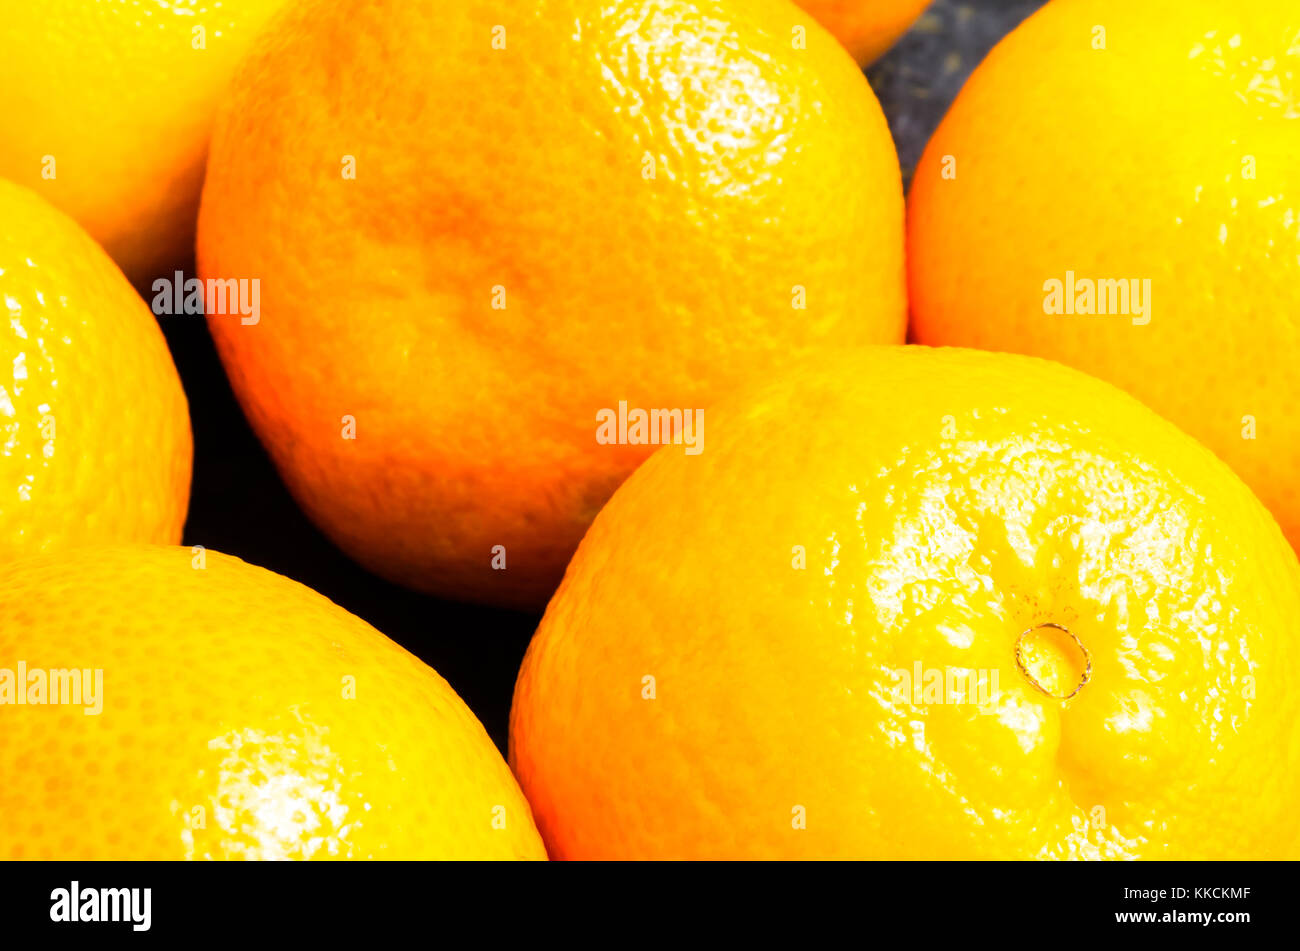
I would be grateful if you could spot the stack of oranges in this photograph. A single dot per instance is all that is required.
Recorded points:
(602, 309)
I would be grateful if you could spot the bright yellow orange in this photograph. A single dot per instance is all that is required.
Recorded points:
(501, 223)
(94, 427)
(866, 28)
(1169, 156)
(108, 107)
(723, 672)
(240, 715)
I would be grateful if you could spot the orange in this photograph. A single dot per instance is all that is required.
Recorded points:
(94, 427)
(477, 228)
(108, 108)
(725, 670)
(866, 28)
(228, 712)
(1169, 156)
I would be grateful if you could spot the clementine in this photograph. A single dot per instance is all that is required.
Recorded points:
(1116, 188)
(914, 603)
(157, 722)
(479, 231)
(108, 108)
(94, 427)
(866, 28)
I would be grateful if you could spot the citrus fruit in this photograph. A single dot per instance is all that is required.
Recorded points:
(235, 714)
(866, 28)
(108, 108)
(849, 628)
(94, 427)
(1116, 188)
(503, 224)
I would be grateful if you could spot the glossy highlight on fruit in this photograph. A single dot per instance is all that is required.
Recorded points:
(95, 441)
(741, 660)
(240, 716)
(501, 223)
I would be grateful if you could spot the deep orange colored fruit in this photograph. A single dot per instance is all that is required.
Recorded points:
(866, 28)
(240, 715)
(1169, 156)
(724, 671)
(94, 428)
(108, 107)
(477, 228)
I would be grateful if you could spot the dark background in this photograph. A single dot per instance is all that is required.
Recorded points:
(239, 506)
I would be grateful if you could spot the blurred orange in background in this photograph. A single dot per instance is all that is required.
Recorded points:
(866, 28)
(107, 111)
